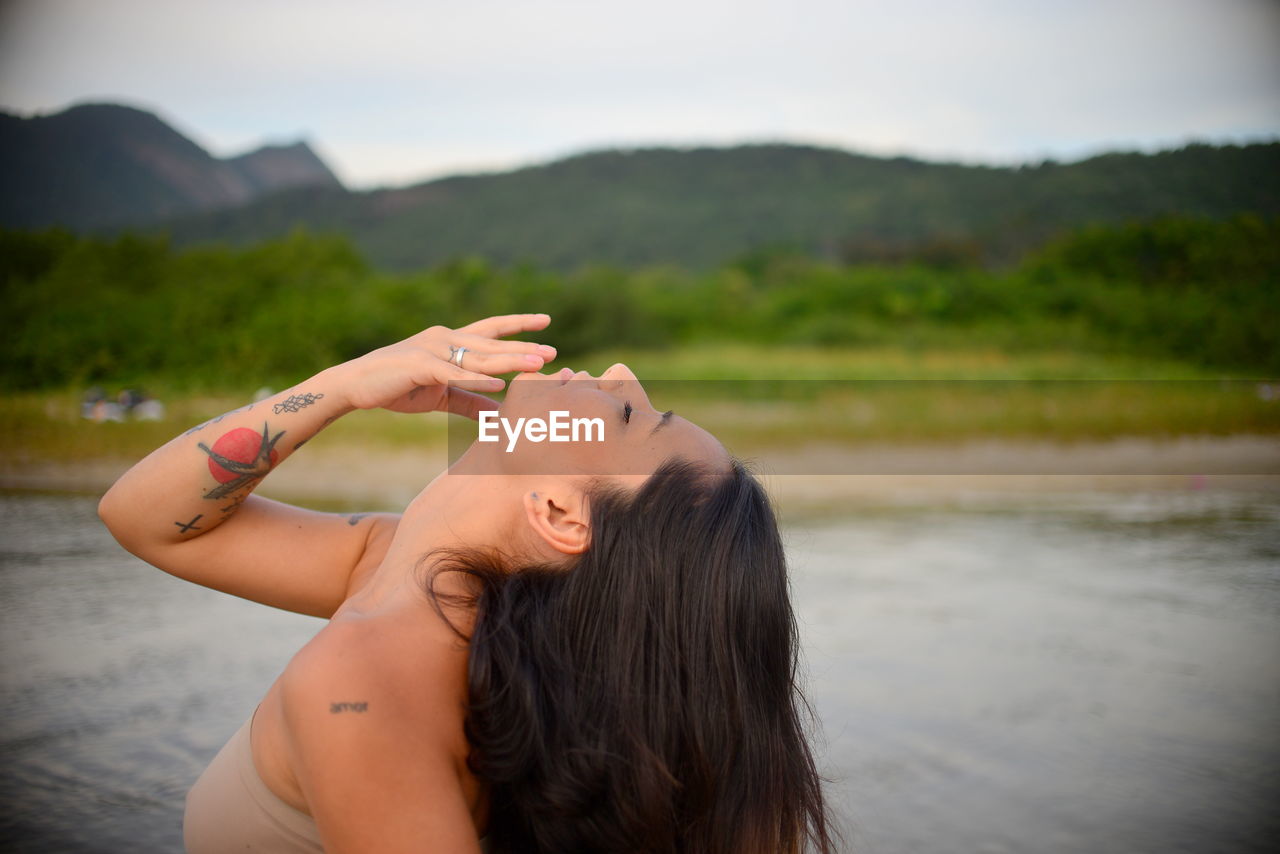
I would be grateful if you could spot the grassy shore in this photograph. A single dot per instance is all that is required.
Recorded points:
(755, 399)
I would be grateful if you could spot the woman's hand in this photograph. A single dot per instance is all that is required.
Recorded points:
(416, 375)
(172, 509)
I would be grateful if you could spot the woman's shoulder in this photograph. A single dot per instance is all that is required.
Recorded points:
(365, 680)
(406, 661)
(373, 717)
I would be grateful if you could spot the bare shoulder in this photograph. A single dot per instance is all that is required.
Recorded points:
(397, 668)
(374, 712)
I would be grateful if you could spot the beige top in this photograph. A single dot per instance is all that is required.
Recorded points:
(230, 809)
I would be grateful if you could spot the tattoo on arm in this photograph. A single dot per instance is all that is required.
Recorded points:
(236, 501)
(236, 463)
(295, 402)
(339, 708)
(354, 518)
(190, 526)
(204, 424)
(314, 398)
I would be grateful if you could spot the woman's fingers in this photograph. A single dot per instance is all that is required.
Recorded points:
(507, 324)
(427, 357)
(481, 344)
(466, 403)
(465, 379)
(500, 363)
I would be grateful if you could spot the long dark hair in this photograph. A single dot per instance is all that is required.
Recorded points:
(646, 699)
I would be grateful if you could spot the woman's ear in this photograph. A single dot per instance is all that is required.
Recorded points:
(560, 517)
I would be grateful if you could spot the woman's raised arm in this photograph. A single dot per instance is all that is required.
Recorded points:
(187, 507)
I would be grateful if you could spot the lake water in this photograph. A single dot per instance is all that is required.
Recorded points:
(1087, 673)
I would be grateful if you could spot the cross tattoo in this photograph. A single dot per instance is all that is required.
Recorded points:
(190, 525)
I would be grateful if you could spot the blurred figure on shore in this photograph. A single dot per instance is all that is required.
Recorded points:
(129, 403)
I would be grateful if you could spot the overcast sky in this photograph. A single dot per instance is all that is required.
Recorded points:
(389, 92)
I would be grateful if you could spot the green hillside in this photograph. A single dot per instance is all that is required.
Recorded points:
(698, 208)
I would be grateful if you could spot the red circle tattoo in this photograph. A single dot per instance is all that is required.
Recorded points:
(241, 445)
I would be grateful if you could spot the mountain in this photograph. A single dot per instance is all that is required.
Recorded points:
(700, 207)
(104, 165)
(283, 167)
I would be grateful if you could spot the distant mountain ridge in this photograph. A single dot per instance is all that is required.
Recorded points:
(98, 166)
(102, 167)
(701, 207)
(273, 168)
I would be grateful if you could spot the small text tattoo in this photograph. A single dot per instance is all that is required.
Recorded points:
(232, 473)
(190, 526)
(295, 402)
(354, 518)
(215, 420)
(339, 708)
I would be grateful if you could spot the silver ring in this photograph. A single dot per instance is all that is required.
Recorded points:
(456, 354)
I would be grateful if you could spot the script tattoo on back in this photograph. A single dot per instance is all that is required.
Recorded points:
(339, 708)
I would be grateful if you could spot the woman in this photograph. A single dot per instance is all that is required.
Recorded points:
(561, 647)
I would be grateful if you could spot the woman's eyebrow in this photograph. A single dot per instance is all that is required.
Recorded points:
(666, 417)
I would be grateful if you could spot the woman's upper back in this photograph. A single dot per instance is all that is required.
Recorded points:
(364, 731)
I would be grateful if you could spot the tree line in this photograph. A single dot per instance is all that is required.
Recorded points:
(134, 308)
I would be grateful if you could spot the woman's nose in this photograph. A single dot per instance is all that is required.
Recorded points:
(621, 380)
(618, 371)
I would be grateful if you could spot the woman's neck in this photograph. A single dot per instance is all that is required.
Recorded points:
(454, 511)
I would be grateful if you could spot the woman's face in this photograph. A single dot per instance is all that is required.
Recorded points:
(611, 428)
